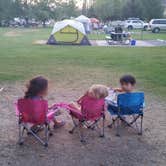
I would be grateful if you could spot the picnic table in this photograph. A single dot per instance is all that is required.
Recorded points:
(118, 38)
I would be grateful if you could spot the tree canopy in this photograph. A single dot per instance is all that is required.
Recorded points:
(43, 10)
(122, 9)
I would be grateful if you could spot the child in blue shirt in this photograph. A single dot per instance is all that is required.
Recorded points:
(127, 85)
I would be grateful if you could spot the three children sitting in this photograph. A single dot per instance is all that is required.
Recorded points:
(93, 99)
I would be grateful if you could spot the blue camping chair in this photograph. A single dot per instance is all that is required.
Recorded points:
(128, 104)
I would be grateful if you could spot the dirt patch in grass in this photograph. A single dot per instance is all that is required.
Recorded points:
(66, 150)
(20, 32)
(12, 34)
(40, 42)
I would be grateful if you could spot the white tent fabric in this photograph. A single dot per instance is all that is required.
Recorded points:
(62, 24)
(83, 19)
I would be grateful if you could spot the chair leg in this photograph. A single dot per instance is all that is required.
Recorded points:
(21, 132)
(140, 132)
(118, 127)
(138, 128)
(50, 132)
(113, 122)
(103, 129)
(136, 125)
(81, 133)
(75, 126)
(46, 135)
(72, 130)
(130, 124)
(38, 138)
(23, 127)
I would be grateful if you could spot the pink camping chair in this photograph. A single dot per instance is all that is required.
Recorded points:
(33, 112)
(92, 112)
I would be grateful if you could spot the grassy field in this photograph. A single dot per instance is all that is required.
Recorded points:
(20, 59)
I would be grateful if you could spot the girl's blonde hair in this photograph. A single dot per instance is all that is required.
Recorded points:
(98, 91)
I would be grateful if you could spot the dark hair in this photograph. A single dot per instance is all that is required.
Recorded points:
(128, 79)
(36, 86)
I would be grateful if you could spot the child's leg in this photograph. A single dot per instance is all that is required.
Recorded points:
(58, 124)
(75, 105)
(51, 118)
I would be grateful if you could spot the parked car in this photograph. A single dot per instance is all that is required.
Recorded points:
(117, 23)
(13, 23)
(133, 18)
(157, 25)
(135, 24)
(20, 21)
(33, 23)
(4, 23)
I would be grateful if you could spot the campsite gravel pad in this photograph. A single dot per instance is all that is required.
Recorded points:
(139, 43)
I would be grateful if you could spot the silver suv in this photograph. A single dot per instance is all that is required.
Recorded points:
(157, 25)
(135, 24)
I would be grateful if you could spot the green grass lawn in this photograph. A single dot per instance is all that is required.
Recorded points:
(20, 59)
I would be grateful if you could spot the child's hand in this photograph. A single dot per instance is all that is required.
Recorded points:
(110, 88)
(117, 89)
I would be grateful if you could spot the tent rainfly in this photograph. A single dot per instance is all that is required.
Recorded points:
(86, 22)
(68, 32)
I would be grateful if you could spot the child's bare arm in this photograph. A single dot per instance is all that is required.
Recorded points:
(118, 89)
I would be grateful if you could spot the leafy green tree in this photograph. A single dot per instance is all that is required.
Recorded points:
(104, 9)
(122, 9)
(5, 12)
(42, 11)
(16, 9)
(109, 9)
(91, 12)
(65, 10)
(152, 9)
(117, 8)
(132, 8)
